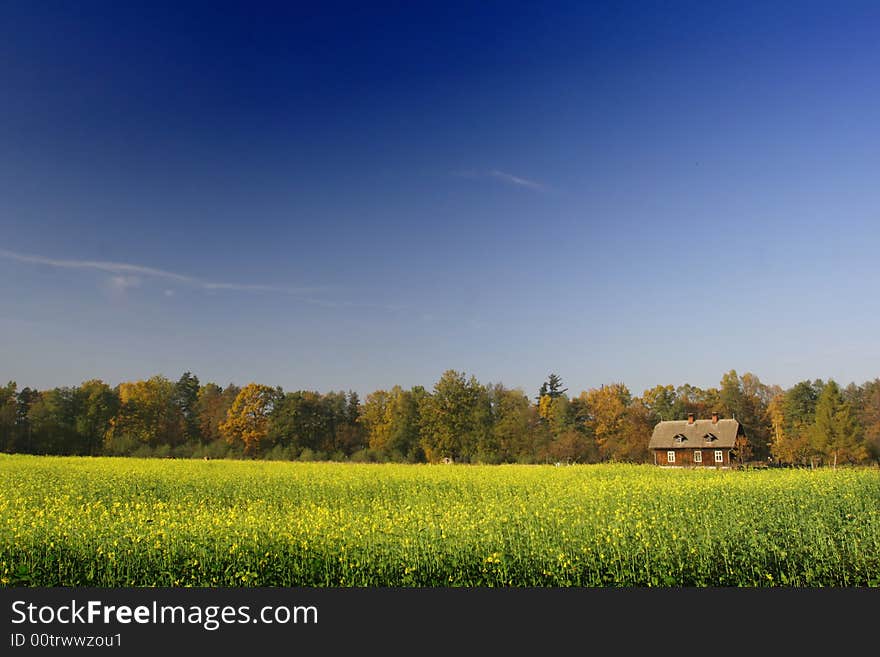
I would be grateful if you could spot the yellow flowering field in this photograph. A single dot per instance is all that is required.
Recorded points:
(108, 522)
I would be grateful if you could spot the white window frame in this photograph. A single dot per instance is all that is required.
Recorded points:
(719, 456)
(670, 456)
(698, 456)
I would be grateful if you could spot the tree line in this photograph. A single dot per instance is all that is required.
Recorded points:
(460, 419)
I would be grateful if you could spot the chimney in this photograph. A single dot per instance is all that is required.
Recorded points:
(690, 418)
(715, 417)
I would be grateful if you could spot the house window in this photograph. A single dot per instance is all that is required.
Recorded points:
(719, 456)
(698, 456)
(670, 456)
(680, 438)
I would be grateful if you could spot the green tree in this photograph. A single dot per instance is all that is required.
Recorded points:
(550, 391)
(8, 415)
(402, 416)
(97, 405)
(746, 399)
(799, 404)
(486, 448)
(731, 395)
(454, 419)
(52, 419)
(662, 403)
(560, 415)
(835, 433)
(515, 425)
(303, 420)
(23, 402)
(551, 387)
(186, 399)
(350, 435)
(693, 399)
(562, 435)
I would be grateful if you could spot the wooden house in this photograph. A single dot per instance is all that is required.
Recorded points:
(695, 443)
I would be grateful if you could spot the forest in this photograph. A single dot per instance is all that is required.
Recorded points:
(462, 420)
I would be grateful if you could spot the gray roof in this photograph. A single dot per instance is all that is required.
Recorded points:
(724, 431)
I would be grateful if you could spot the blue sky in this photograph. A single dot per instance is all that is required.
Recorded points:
(355, 196)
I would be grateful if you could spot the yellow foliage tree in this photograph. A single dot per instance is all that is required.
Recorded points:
(608, 419)
(376, 417)
(146, 416)
(545, 404)
(247, 421)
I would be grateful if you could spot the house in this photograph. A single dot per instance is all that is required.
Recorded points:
(695, 443)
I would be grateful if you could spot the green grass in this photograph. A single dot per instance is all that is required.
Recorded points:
(139, 522)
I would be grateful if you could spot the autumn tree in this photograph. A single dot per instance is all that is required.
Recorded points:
(247, 421)
(147, 417)
(864, 403)
(790, 441)
(212, 407)
(376, 420)
(608, 421)
(460, 418)
(639, 425)
(869, 416)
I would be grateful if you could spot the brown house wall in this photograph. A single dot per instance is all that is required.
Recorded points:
(684, 457)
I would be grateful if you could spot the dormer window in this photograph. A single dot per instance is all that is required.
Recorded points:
(709, 437)
(679, 438)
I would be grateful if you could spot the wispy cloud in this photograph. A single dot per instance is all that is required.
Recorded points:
(118, 285)
(516, 180)
(390, 307)
(122, 283)
(126, 275)
(507, 178)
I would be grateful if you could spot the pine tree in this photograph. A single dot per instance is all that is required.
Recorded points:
(552, 387)
(835, 432)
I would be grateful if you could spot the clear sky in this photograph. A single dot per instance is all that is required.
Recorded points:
(360, 195)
